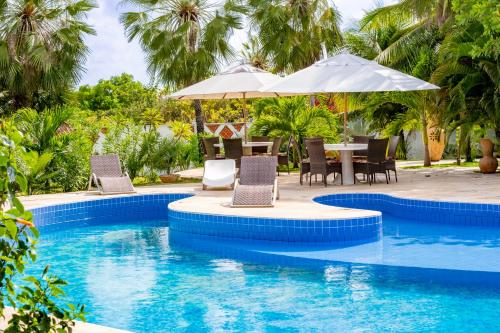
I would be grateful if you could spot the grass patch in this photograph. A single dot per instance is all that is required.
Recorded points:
(445, 165)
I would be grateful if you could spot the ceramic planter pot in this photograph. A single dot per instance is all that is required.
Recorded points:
(436, 143)
(172, 178)
(487, 164)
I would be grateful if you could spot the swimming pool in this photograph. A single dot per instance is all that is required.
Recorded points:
(132, 272)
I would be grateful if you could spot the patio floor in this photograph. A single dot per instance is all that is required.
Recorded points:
(446, 184)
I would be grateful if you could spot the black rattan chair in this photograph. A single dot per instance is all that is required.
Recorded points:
(211, 152)
(284, 157)
(390, 161)
(375, 161)
(259, 150)
(233, 149)
(304, 165)
(361, 154)
(319, 164)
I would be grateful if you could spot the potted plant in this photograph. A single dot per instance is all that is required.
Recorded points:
(165, 159)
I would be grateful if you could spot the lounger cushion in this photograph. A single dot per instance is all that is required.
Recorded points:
(253, 195)
(116, 185)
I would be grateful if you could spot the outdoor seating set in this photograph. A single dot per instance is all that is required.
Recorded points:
(378, 156)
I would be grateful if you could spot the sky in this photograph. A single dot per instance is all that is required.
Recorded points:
(111, 54)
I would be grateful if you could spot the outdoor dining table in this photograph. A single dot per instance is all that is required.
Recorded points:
(247, 146)
(346, 158)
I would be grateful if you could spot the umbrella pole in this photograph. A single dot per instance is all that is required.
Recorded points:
(245, 116)
(345, 118)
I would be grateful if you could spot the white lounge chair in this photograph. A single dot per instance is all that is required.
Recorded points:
(107, 175)
(219, 173)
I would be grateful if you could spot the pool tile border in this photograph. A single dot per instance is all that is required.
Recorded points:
(105, 211)
(341, 231)
(444, 212)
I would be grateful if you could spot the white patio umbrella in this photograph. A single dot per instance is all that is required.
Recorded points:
(240, 81)
(346, 73)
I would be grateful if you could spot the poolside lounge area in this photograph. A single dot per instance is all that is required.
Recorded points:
(443, 184)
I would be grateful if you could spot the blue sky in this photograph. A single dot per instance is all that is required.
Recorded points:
(111, 53)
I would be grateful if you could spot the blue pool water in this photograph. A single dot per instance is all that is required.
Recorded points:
(136, 276)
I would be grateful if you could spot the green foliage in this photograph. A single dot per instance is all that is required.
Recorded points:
(67, 137)
(152, 118)
(181, 130)
(293, 117)
(34, 299)
(42, 49)
(291, 32)
(183, 40)
(486, 13)
(118, 94)
(35, 167)
(145, 153)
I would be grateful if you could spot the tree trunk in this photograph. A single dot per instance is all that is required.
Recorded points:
(468, 150)
(200, 128)
(458, 139)
(403, 151)
(425, 138)
(497, 143)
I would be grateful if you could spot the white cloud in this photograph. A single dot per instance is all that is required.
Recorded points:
(111, 53)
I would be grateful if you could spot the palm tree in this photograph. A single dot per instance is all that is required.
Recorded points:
(471, 83)
(418, 19)
(292, 117)
(184, 40)
(42, 48)
(292, 32)
(252, 52)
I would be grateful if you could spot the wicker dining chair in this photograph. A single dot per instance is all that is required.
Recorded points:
(233, 149)
(390, 161)
(259, 150)
(210, 151)
(303, 161)
(362, 153)
(319, 164)
(375, 161)
(283, 157)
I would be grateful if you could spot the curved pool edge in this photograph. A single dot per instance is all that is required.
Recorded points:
(113, 210)
(444, 212)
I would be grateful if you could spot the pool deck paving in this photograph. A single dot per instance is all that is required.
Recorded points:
(446, 184)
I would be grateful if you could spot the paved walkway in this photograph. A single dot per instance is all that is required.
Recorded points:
(446, 184)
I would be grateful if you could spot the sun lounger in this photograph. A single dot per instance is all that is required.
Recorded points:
(257, 185)
(107, 175)
(219, 173)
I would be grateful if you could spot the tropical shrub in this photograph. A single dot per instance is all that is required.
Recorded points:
(293, 117)
(132, 144)
(62, 134)
(34, 300)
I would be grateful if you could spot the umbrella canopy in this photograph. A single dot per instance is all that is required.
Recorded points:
(241, 81)
(346, 73)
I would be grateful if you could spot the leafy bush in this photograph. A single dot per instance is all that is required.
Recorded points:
(33, 299)
(293, 117)
(63, 134)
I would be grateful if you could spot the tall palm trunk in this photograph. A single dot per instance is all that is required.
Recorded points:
(199, 125)
(425, 138)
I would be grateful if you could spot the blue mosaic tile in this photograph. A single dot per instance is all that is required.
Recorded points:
(356, 230)
(457, 213)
